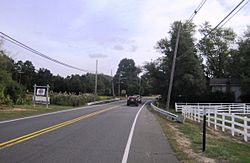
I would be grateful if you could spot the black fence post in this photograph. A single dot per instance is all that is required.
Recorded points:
(204, 131)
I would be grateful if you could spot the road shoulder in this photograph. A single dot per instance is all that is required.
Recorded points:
(149, 143)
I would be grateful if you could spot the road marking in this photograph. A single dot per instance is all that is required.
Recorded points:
(51, 128)
(126, 152)
(40, 115)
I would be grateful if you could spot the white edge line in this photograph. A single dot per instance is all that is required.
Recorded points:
(126, 151)
(40, 115)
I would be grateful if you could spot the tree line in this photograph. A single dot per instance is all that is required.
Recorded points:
(221, 54)
(18, 78)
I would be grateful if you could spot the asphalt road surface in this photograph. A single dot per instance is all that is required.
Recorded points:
(108, 133)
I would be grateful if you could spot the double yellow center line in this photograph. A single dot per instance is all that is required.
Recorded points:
(48, 129)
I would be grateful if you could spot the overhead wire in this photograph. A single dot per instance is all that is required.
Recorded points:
(223, 20)
(197, 10)
(22, 45)
(235, 13)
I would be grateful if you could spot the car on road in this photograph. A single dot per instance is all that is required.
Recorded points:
(139, 98)
(133, 100)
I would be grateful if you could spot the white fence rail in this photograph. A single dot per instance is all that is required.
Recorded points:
(231, 108)
(220, 119)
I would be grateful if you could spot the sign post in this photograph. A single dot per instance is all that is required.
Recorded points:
(41, 95)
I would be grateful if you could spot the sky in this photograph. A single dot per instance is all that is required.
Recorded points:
(78, 32)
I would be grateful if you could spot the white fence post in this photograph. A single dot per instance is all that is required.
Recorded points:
(245, 129)
(220, 112)
(190, 111)
(208, 117)
(199, 118)
(223, 122)
(232, 125)
(215, 119)
(195, 115)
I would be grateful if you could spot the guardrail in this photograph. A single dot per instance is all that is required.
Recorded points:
(169, 115)
(103, 102)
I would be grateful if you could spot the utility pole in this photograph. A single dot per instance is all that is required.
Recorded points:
(119, 85)
(112, 84)
(140, 86)
(96, 79)
(173, 68)
(20, 76)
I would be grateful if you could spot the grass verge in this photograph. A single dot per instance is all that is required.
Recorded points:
(186, 141)
(19, 111)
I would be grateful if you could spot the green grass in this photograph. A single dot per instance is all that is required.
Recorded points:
(219, 146)
(10, 113)
(101, 98)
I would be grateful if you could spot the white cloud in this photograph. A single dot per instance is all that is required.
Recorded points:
(97, 55)
(118, 47)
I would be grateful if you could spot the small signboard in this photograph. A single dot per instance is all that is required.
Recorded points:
(41, 95)
(124, 92)
(41, 92)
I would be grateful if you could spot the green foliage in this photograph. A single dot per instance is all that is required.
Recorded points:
(244, 50)
(66, 99)
(188, 72)
(127, 75)
(15, 92)
(10, 91)
(216, 49)
(24, 74)
(154, 79)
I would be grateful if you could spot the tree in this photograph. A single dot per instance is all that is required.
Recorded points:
(216, 50)
(24, 74)
(59, 84)
(10, 91)
(127, 76)
(90, 82)
(153, 77)
(43, 77)
(244, 50)
(188, 72)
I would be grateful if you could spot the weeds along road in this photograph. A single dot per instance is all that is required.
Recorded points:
(103, 133)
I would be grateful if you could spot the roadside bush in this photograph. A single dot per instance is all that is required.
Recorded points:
(70, 99)
(15, 93)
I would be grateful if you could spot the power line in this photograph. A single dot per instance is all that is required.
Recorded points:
(220, 23)
(22, 45)
(223, 20)
(235, 13)
(175, 53)
(197, 10)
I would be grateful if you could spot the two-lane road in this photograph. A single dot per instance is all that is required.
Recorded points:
(105, 133)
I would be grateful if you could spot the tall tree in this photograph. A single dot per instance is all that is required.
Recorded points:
(188, 71)
(44, 77)
(127, 76)
(153, 77)
(244, 50)
(10, 91)
(24, 74)
(215, 48)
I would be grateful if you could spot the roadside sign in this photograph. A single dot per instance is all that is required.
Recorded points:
(41, 95)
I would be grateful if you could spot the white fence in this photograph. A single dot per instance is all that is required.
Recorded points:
(231, 108)
(220, 118)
